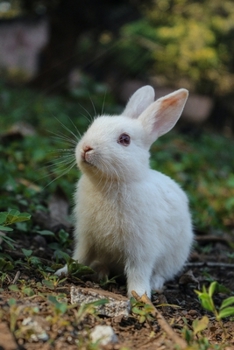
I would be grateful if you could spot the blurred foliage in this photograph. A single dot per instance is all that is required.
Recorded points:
(184, 42)
(204, 167)
(31, 164)
(177, 42)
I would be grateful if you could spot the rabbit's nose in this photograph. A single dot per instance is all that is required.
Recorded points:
(85, 151)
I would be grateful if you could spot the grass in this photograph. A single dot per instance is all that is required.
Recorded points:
(204, 166)
(30, 170)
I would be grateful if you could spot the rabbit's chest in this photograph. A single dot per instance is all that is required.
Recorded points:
(106, 214)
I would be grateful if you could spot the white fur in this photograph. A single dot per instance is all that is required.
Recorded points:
(130, 218)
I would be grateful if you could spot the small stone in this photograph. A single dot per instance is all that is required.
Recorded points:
(187, 278)
(192, 312)
(104, 335)
(117, 305)
(35, 328)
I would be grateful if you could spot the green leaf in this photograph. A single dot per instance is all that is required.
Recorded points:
(137, 311)
(228, 311)
(212, 288)
(4, 228)
(9, 241)
(11, 302)
(188, 335)
(24, 217)
(48, 284)
(3, 216)
(53, 299)
(200, 325)
(222, 289)
(59, 307)
(27, 252)
(28, 291)
(142, 319)
(6, 265)
(13, 288)
(46, 233)
(227, 302)
(12, 216)
(15, 216)
(206, 301)
(100, 302)
(34, 260)
(62, 307)
(63, 236)
(78, 269)
(13, 212)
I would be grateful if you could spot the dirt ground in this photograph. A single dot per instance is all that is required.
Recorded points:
(31, 321)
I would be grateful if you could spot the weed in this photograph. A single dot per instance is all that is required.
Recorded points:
(89, 309)
(226, 309)
(9, 218)
(59, 307)
(142, 311)
(76, 269)
(30, 259)
(193, 335)
(51, 281)
(207, 302)
(105, 282)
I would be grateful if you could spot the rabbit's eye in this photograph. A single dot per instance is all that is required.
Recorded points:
(124, 139)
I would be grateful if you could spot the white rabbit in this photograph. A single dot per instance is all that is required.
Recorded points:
(130, 218)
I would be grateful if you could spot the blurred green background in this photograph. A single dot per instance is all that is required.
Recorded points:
(93, 55)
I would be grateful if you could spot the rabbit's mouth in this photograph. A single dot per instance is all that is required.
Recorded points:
(86, 162)
(87, 154)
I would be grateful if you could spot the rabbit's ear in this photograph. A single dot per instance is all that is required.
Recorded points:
(162, 115)
(139, 101)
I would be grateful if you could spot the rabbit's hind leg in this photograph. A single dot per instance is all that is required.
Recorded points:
(156, 281)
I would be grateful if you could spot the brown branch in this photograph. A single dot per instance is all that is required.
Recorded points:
(212, 238)
(210, 264)
(16, 277)
(161, 321)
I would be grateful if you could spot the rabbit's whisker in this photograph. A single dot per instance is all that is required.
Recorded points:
(78, 133)
(63, 173)
(61, 162)
(94, 109)
(90, 116)
(61, 137)
(67, 129)
(103, 103)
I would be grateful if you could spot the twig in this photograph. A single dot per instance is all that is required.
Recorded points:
(210, 264)
(162, 322)
(16, 277)
(212, 238)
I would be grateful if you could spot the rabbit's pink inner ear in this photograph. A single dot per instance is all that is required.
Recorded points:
(162, 115)
(168, 113)
(139, 101)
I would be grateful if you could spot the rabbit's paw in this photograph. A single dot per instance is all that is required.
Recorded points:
(157, 282)
(139, 285)
(62, 271)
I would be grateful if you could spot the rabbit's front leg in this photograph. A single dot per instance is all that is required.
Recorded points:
(138, 277)
(82, 259)
(84, 254)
